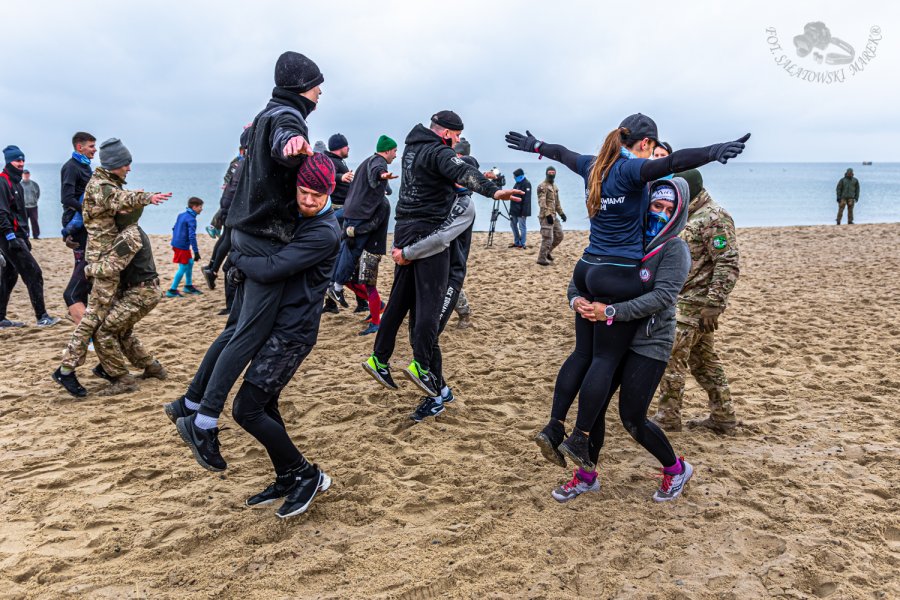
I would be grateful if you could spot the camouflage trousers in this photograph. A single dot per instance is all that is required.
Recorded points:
(694, 351)
(551, 237)
(115, 340)
(848, 202)
(462, 304)
(102, 296)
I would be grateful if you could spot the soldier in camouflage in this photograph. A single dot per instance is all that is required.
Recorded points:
(138, 294)
(108, 251)
(551, 229)
(711, 237)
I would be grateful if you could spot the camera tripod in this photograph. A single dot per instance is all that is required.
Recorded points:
(499, 210)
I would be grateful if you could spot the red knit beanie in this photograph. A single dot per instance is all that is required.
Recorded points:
(317, 173)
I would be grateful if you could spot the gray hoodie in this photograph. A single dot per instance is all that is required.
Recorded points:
(666, 264)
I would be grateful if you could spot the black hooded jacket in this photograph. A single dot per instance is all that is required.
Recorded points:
(430, 168)
(13, 217)
(264, 202)
(339, 195)
(73, 179)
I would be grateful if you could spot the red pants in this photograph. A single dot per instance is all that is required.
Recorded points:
(369, 293)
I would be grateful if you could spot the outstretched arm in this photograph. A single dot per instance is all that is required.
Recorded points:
(691, 158)
(557, 152)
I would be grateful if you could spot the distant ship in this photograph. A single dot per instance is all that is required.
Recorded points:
(867, 163)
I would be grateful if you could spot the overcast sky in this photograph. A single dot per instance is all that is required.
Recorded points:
(177, 80)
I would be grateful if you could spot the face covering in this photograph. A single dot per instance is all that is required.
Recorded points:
(627, 153)
(551, 177)
(655, 223)
(519, 178)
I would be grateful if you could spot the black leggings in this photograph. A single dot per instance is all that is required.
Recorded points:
(257, 412)
(448, 303)
(599, 347)
(21, 262)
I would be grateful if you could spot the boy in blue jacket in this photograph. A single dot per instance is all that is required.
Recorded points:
(184, 239)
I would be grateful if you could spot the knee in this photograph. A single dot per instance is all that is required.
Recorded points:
(633, 425)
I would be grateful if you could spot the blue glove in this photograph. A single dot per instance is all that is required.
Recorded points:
(10, 237)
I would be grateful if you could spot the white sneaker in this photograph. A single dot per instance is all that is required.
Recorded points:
(574, 488)
(672, 485)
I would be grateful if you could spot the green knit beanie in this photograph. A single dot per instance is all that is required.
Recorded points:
(384, 144)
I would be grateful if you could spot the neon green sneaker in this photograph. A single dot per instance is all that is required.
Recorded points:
(380, 372)
(422, 378)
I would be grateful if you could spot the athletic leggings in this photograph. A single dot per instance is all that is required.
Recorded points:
(369, 293)
(599, 347)
(185, 270)
(21, 262)
(257, 412)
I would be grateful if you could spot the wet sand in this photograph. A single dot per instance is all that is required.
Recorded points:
(99, 497)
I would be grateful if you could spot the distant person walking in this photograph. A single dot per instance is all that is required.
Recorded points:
(549, 207)
(14, 243)
(712, 240)
(847, 195)
(184, 240)
(32, 195)
(520, 210)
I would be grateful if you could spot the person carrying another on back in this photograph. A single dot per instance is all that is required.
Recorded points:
(184, 240)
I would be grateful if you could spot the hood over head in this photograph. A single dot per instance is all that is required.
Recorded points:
(679, 218)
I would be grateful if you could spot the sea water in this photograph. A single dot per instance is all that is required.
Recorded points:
(756, 194)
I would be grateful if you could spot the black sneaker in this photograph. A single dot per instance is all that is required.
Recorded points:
(361, 305)
(177, 409)
(6, 323)
(576, 449)
(47, 321)
(210, 277)
(70, 382)
(422, 378)
(429, 407)
(330, 306)
(204, 443)
(100, 372)
(337, 296)
(549, 439)
(224, 312)
(276, 490)
(303, 493)
(380, 372)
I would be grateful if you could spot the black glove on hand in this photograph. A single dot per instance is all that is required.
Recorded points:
(549, 219)
(722, 152)
(18, 245)
(235, 276)
(523, 143)
(563, 217)
(196, 257)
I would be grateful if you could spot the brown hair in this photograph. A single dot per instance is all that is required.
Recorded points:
(82, 137)
(609, 154)
(194, 201)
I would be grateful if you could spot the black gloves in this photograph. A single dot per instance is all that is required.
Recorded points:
(563, 217)
(722, 152)
(235, 276)
(196, 257)
(18, 245)
(549, 219)
(523, 143)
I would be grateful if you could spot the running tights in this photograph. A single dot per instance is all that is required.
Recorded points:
(257, 412)
(185, 270)
(369, 293)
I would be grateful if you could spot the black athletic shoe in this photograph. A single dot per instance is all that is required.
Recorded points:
(100, 372)
(429, 407)
(422, 378)
(303, 493)
(224, 312)
(210, 277)
(337, 296)
(549, 439)
(70, 382)
(361, 305)
(177, 409)
(272, 493)
(380, 372)
(331, 306)
(575, 448)
(204, 443)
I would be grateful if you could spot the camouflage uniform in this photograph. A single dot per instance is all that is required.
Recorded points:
(108, 252)
(115, 340)
(551, 234)
(711, 237)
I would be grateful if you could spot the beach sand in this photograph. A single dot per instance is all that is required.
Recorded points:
(100, 498)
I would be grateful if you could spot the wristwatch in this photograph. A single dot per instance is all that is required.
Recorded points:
(610, 313)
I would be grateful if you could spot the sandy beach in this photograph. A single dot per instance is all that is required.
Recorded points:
(99, 498)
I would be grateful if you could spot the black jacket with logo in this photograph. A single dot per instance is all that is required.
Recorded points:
(523, 208)
(430, 170)
(265, 202)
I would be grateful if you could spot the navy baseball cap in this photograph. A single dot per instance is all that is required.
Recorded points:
(641, 126)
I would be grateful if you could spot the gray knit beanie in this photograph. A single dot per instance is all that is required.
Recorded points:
(114, 154)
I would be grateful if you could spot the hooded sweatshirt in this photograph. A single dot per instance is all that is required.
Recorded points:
(664, 269)
(264, 202)
(13, 217)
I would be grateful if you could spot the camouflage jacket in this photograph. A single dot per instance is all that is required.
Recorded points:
(104, 196)
(548, 199)
(712, 241)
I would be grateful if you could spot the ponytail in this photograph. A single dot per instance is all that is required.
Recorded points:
(609, 154)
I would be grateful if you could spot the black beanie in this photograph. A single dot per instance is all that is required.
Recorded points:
(694, 180)
(550, 168)
(296, 73)
(518, 172)
(337, 141)
(463, 147)
(448, 119)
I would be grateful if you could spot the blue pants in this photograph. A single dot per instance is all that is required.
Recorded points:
(187, 271)
(349, 255)
(518, 228)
